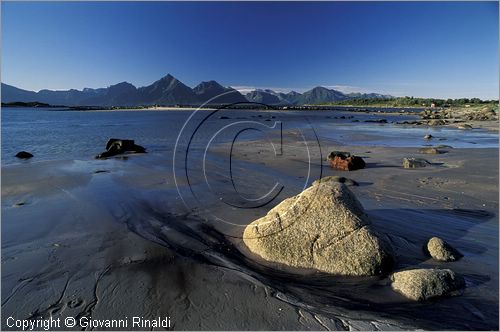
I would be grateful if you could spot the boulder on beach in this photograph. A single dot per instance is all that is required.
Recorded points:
(24, 155)
(335, 178)
(323, 228)
(422, 284)
(442, 251)
(116, 146)
(345, 161)
(415, 162)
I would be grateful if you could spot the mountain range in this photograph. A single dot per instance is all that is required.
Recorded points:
(170, 91)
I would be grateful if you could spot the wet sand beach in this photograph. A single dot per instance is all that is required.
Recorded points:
(134, 236)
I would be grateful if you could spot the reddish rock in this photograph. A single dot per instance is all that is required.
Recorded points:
(345, 161)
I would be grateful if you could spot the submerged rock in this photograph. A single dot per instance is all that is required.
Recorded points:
(377, 120)
(345, 161)
(323, 228)
(428, 136)
(339, 179)
(117, 146)
(442, 251)
(415, 162)
(24, 155)
(422, 284)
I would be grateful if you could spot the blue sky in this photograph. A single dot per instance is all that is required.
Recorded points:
(430, 49)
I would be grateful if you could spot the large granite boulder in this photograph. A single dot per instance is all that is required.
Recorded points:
(322, 228)
(345, 161)
(116, 146)
(442, 251)
(422, 284)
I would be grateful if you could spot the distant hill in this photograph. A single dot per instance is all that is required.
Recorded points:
(222, 95)
(29, 104)
(11, 94)
(317, 95)
(321, 95)
(166, 91)
(358, 95)
(264, 96)
(170, 91)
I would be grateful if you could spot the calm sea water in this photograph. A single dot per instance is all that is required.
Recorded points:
(54, 135)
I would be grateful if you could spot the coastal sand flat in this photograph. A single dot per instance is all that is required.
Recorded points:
(97, 244)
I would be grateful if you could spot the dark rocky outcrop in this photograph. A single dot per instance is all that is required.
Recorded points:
(377, 121)
(117, 146)
(24, 155)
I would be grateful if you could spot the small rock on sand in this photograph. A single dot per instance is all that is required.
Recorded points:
(323, 228)
(334, 178)
(436, 122)
(345, 161)
(415, 162)
(430, 150)
(442, 251)
(422, 284)
(24, 155)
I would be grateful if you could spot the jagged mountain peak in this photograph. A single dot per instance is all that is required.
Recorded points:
(168, 90)
(205, 85)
